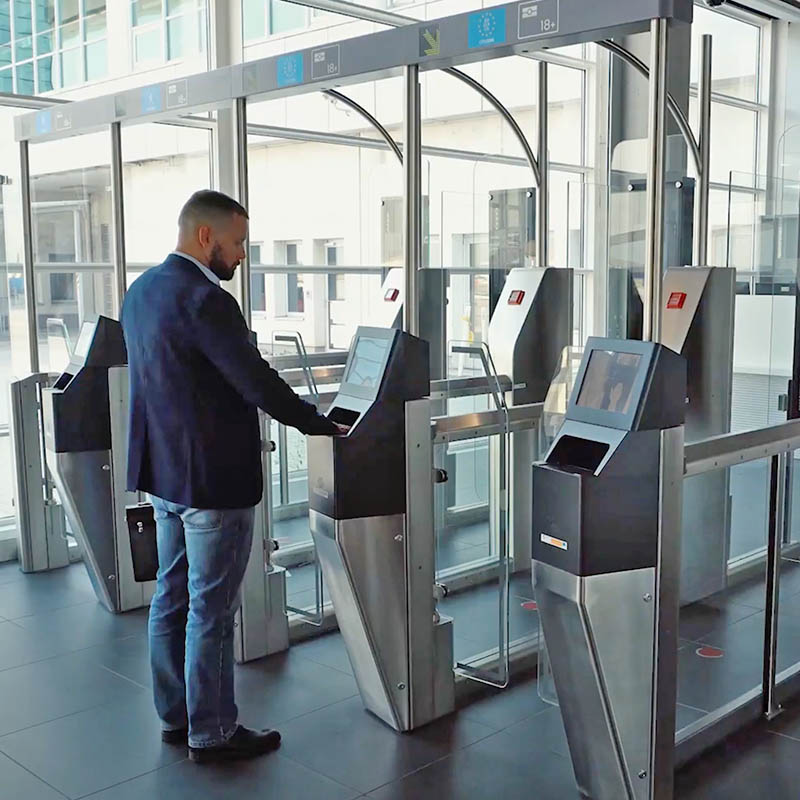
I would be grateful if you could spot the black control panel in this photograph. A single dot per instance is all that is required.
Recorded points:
(76, 411)
(595, 497)
(362, 474)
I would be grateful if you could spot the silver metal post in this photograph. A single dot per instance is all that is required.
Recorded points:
(667, 616)
(656, 177)
(542, 197)
(704, 171)
(777, 501)
(118, 217)
(412, 197)
(242, 185)
(27, 256)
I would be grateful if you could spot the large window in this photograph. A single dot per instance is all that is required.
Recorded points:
(51, 44)
(740, 85)
(263, 18)
(167, 30)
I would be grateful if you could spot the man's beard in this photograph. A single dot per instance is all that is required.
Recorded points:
(218, 266)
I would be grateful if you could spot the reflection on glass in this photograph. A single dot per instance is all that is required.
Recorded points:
(96, 60)
(145, 11)
(721, 635)
(163, 166)
(736, 64)
(71, 67)
(71, 242)
(608, 382)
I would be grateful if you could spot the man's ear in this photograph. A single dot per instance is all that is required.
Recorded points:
(204, 235)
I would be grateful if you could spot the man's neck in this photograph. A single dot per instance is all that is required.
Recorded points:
(190, 252)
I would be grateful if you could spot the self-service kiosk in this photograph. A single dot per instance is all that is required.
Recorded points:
(85, 429)
(370, 501)
(606, 544)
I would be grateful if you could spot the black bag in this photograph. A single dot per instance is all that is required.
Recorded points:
(142, 533)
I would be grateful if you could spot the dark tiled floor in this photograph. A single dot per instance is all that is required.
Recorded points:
(76, 715)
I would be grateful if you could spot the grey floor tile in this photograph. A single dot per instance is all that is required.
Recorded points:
(129, 657)
(16, 783)
(502, 708)
(475, 614)
(36, 594)
(94, 749)
(328, 650)
(545, 729)
(10, 572)
(498, 766)
(278, 688)
(701, 619)
(78, 627)
(19, 646)
(57, 687)
(751, 764)
(351, 746)
(270, 777)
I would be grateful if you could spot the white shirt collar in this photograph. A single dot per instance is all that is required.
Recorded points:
(202, 267)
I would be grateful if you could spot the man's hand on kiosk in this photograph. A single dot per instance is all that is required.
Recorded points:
(343, 430)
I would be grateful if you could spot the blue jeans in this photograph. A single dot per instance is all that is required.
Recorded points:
(202, 556)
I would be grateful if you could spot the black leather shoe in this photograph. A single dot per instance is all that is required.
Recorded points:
(243, 744)
(178, 736)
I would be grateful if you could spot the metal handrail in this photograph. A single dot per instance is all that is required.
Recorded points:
(730, 449)
(485, 423)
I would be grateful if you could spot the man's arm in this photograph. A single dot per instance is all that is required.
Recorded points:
(222, 336)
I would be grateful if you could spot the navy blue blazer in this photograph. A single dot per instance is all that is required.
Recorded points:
(196, 382)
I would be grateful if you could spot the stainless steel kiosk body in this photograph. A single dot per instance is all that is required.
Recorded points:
(606, 548)
(371, 499)
(41, 529)
(86, 432)
(530, 327)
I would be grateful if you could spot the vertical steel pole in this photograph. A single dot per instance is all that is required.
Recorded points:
(704, 136)
(667, 617)
(656, 177)
(27, 237)
(777, 486)
(543, 196)
(118, 218)
(412, 197)
(243, 188)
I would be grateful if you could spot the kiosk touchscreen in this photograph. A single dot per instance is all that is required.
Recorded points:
(362, 474)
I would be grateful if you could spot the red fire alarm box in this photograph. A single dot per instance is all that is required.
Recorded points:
(676, 300)
(391, 295)
(516, 297)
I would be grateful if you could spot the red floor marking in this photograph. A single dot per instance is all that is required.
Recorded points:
(710, 652)
(530, 606)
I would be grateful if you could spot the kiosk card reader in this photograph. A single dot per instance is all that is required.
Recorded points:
(370, 500)
(606, 545)
(85, 431)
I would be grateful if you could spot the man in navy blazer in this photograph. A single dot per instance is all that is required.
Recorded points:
(196, 383)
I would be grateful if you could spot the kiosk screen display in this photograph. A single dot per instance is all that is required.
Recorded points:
(608, 382)
(366, 366)
(84, 340)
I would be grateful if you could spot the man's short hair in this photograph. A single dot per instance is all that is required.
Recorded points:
(208, 207)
